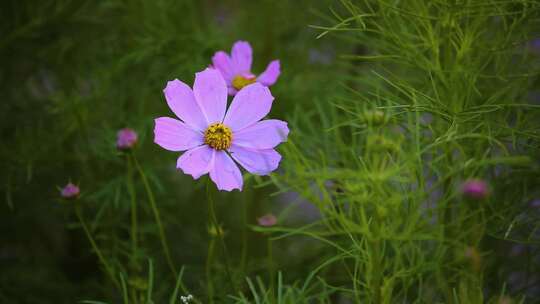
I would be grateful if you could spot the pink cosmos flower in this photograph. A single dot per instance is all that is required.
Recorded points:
(213, 136)
(126, 139)
(70, 191)
(236, 69)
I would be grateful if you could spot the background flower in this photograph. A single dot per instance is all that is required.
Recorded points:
(70, 191)
(126, 139)
(236, 68)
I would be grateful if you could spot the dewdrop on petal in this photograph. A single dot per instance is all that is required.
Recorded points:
(126, 139)
(475, 189)
(267, 220)
(70, 191)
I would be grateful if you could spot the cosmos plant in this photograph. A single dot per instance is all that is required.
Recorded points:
(213, 136)
(236, 68)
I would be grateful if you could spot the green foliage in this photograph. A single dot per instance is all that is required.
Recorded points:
(392, 105)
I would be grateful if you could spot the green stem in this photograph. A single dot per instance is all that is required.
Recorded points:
(101, 258)
(271, 265)
(132, 194)
(377, 271)
(209, 282)
(157, 216)
(243, 256)
(214, 223)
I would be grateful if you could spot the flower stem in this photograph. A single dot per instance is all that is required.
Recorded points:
(132, 194)
(271, 269)
(245, 212)
(95, 247)
(214, 223)
(209, 282)
(157, 216)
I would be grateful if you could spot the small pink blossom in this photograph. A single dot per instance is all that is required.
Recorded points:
(267, 220)
(216, 138)
(70, 191)
(475, 189)
(236, 68)
(126, 139)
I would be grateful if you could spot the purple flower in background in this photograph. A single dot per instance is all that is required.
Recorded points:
(211, 134)
(236, 69)
(475, 189)
(126, 139)
(267, 220)
(70, 191)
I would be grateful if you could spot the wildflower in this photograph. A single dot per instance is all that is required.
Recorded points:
(475, 189)
(186, 299)
(236, 69)
(267, 220)
(70, 191)
(211, 135)
(126, 139)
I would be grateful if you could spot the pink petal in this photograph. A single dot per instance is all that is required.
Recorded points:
(249, 105)
(182, 102)
(225, 173)
(174, 135)
(264, 134)
(196, 162)
(260, 162)
(210, 91)
(222, 62)
(241, 56)
(271, 74)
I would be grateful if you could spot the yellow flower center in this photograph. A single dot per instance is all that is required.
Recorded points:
(218, 136)
(240, 81)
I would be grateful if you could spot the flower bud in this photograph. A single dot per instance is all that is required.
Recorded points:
(126, 139)
(70, 191)
(475, 189)
(215, 231)
(267, 220)
(375, 118)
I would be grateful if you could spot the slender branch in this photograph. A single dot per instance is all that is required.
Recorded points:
(214, 222)
(95, 247)
(157, 216)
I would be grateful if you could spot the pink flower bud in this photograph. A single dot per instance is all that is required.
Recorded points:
(126, 139)
(267, 220)
(70, 191)
(475, 189)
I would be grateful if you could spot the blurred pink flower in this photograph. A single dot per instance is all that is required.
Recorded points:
(70, 191)
(126, 139)
(267, 220)
(211, 134)
(475, 189)
(236, 68)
